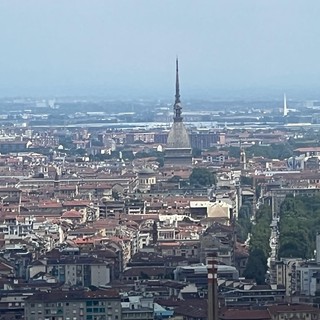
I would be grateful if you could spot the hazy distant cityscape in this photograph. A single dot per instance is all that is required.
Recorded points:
(159, 160)
(147, 209)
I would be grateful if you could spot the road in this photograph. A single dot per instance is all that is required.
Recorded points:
(274, 243)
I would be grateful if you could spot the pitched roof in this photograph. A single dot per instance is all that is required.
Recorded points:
(245, 315)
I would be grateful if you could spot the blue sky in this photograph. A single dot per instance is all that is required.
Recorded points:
(61, 47)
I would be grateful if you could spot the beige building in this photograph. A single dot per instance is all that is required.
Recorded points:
(286, 274)
(147, 178)
(220, 209)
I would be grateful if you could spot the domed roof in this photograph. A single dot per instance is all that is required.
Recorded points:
(178, 137)
(72, 214)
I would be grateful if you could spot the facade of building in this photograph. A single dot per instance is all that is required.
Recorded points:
(286, 274)
(74, 271)
(147, 178)
(137, 307)
(80, 305)
(198, 274)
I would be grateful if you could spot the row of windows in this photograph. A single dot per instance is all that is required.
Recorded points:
(97, 303)
(96, 310)
(89, 317)
(61, 304)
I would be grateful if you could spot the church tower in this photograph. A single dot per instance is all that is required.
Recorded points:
(243, 158)
(178, 149)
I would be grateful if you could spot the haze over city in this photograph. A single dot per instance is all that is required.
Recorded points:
(159, 160)
(252, 48)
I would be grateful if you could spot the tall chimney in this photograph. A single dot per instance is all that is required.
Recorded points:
(318, 248)
(212, 287)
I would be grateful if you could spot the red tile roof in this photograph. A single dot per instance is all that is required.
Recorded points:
(245, 315)
(72, 214)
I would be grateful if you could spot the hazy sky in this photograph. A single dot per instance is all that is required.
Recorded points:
(93, 47)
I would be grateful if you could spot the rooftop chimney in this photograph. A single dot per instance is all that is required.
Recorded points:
(318, 248)
(212, 287)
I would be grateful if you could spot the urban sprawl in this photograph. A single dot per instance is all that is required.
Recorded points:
(115, 210)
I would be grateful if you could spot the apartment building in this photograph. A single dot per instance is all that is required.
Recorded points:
(74, 305)
(79, 271)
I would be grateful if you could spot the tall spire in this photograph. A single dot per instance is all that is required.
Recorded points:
(285, 108)
(177, 82)
(177, 103)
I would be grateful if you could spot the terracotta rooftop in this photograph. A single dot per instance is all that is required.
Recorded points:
(307, 149)
(50, 204)
(54, 296)
(72, 214)
(76, 203)
(292, 307)
(245, 315)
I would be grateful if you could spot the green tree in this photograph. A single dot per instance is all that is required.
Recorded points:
(243, 224)
(115, 195)
(299, 225)
(256, 267)
(274, 151)
(196, 152)
(247, 181)
(154, 232)
(160, 161)
(202, 177)
(234, 152)
(144, 275)
(127, 155)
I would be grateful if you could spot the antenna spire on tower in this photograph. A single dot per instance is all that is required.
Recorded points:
(177, 109)
(177, 82)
